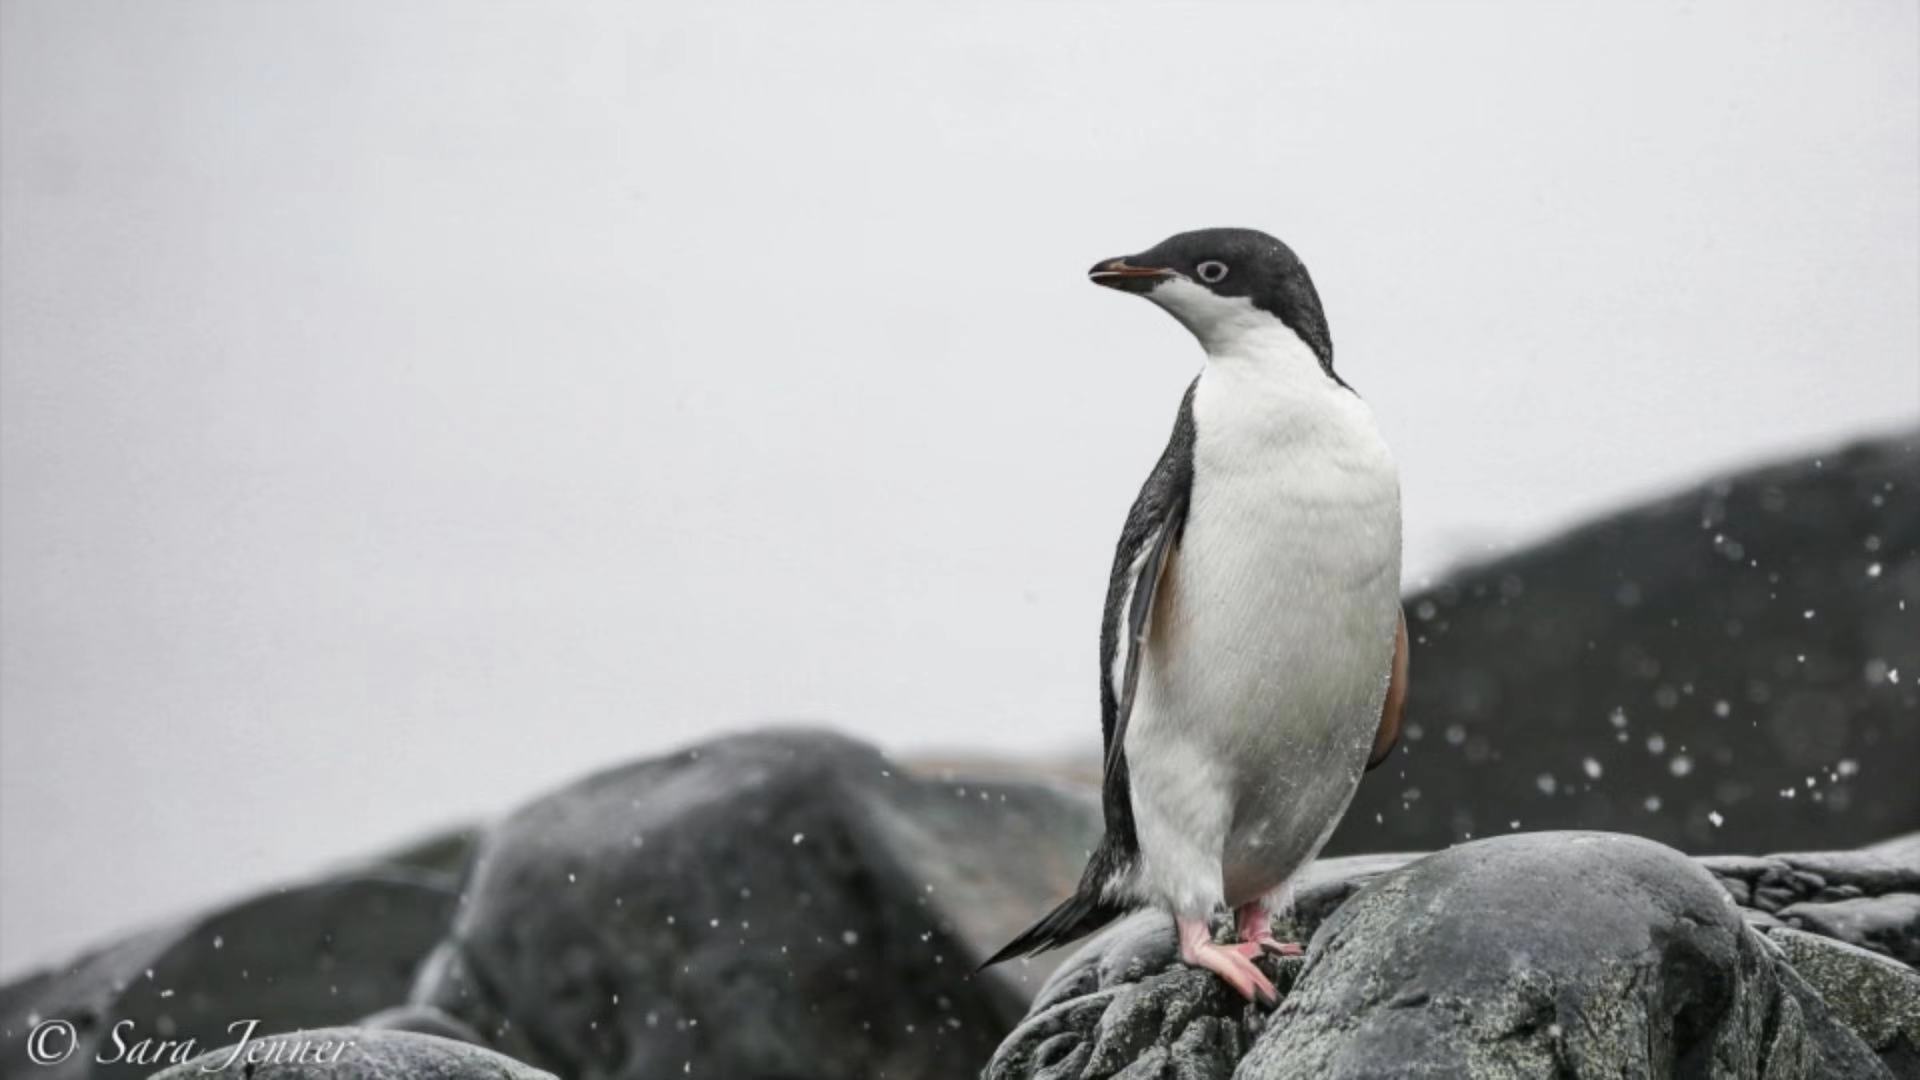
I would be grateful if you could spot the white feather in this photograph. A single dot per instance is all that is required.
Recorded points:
(1123, 647)
(1271, 645)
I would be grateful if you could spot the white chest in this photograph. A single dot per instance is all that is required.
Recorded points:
(1266, 666)
(1291, 476)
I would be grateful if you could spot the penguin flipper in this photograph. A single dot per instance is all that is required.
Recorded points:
(1139, 615)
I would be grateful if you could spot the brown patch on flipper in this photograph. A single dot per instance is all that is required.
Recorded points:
(1387, 736)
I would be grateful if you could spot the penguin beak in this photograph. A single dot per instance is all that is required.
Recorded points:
(1123, 275)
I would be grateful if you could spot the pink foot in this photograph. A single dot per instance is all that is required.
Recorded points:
(1253, 925)
(1197, 948)
(1269, 947)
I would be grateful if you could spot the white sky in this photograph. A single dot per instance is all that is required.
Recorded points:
(410, 407)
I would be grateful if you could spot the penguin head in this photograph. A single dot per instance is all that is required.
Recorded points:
(1222, 283)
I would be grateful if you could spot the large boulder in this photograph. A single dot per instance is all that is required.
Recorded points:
(308, 955)
(786, 904)
(1124, 1004)
(347, 1053)
(1734, 668)
(1580, 954)
(1561, 954)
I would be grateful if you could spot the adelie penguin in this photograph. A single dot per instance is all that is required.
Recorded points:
(1253, 657)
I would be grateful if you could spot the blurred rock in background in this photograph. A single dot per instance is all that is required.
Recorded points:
(310, 955)
(781, 904)
(1730, 669)
(785, 903)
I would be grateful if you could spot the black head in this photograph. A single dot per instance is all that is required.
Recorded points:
(1232, 264)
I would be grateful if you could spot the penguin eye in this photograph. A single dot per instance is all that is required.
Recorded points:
(1211, 271)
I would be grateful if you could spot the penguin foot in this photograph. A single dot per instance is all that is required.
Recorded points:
(1197, 948)
(1271, 946)
(1253, 925)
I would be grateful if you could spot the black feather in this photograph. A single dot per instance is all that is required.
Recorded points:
(1076, 917)
(1160, 508)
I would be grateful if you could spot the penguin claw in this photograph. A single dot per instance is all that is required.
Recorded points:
(1253, 924)
(1227, 961)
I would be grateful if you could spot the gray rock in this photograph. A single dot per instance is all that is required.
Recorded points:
(1567, 954)
(1877, 998)
(1574, 954)
(1885, 924)
(1892, 867)
(1124, 1006)
(1869, 897)
(351, 1053)
(1902, 849)
(1328, 883)
(1689, 616)
(784, 904)
(310, 955)
(423, 1020)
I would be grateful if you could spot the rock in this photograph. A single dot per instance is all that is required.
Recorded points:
(1885, 924)
(1869, 897)
(1895, 868)
(1545, 954)
(1327, 883)
(1566, 954)
(1810, 1041)
(423, 1020)
(1122, 999)
(780, 904)
(1744, 634)
(1878, 999)
(84, 993)
(311, 955)
(349, 1053)
(1125, 1005)
(444, 855)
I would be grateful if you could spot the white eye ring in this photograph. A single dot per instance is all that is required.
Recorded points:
(1211, 271)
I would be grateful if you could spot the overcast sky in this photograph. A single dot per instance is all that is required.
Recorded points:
(409, 407)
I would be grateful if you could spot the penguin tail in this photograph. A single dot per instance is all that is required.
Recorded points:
(1076, 917)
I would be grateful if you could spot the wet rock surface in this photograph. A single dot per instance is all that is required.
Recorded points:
(1735, 668)
(1564, 954)
(785, 904)
(348, 1053)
